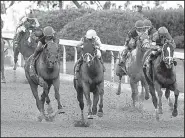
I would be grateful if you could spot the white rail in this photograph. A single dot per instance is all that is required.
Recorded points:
(73, 43)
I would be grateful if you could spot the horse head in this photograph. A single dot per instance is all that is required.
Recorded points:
(143, 41)
(167, 54)
(89, 53)
(51, 54)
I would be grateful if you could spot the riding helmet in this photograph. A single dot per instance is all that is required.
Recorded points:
(48, 31)
(90, 34)
(147, 23)
(163, 30)
(139, 24)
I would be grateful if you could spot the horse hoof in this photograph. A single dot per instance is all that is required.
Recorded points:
(3, 81)
(147, 97)
(81, 123)
(61, 111)
(174, 113)
(118, 93)
(14, 68)
(50, 110)
(90, 117)
(171, 108)
(160, 111)
(39, 118)
(49, 118)
(100, 114)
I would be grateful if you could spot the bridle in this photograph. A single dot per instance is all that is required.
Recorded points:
(168, 58)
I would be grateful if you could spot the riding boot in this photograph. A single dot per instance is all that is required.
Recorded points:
(17, 39)
(101, 60)
(36, 52)
(124, 54)
(77, 68)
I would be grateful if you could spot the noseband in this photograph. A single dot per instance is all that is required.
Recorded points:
(165, 59)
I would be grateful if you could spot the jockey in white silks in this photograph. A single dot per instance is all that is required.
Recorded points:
(90, 35)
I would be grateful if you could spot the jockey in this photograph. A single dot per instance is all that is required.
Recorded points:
(91, 35)
(149, 28)
(48, 34)
(29, 18)
(159, 39)
(136, 31)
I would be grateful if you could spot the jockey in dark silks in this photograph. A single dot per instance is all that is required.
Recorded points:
(134, 33)
(149, 28)
(48, 35)
(24, 22)
(90, 35)
(159, 39)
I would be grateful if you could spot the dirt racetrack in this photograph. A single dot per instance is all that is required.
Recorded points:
(19, 113)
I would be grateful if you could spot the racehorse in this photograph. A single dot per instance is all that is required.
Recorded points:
(2, 62)
(134, 65)
(25, 48)
(47, 68)
(90, 78)
(162, 75)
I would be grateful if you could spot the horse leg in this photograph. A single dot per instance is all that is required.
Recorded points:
(2, 69)
(101, 93)
(34, 89)
(2, 61)
(176, 93)
(119, 86)
(95, 101)
(56, 84)
(160, 93)
(81, 102)
(154, 100)
(167, 95)
(134, 88)
(86, 91)
(146, 87)
(49, 108)
(16, 53)
(142, 95)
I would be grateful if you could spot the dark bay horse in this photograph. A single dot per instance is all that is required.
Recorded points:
(134, 67)
(162, 75)
(25, 48)
(2, 62)
(47, 68)
(90, 78)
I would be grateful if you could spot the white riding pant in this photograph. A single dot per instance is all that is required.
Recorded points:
(98, 53)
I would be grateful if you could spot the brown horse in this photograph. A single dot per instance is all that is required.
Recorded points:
(25, 48)
(134, 68)
(90, 78)
(3, 80)
(162, 75)
(47, 68)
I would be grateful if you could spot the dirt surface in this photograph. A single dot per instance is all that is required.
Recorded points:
(19, 113)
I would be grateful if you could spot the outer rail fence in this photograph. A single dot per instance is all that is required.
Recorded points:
(8, 36)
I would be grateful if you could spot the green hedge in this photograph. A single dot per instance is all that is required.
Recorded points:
(112, 26)
(172, 19)
(58, 19)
